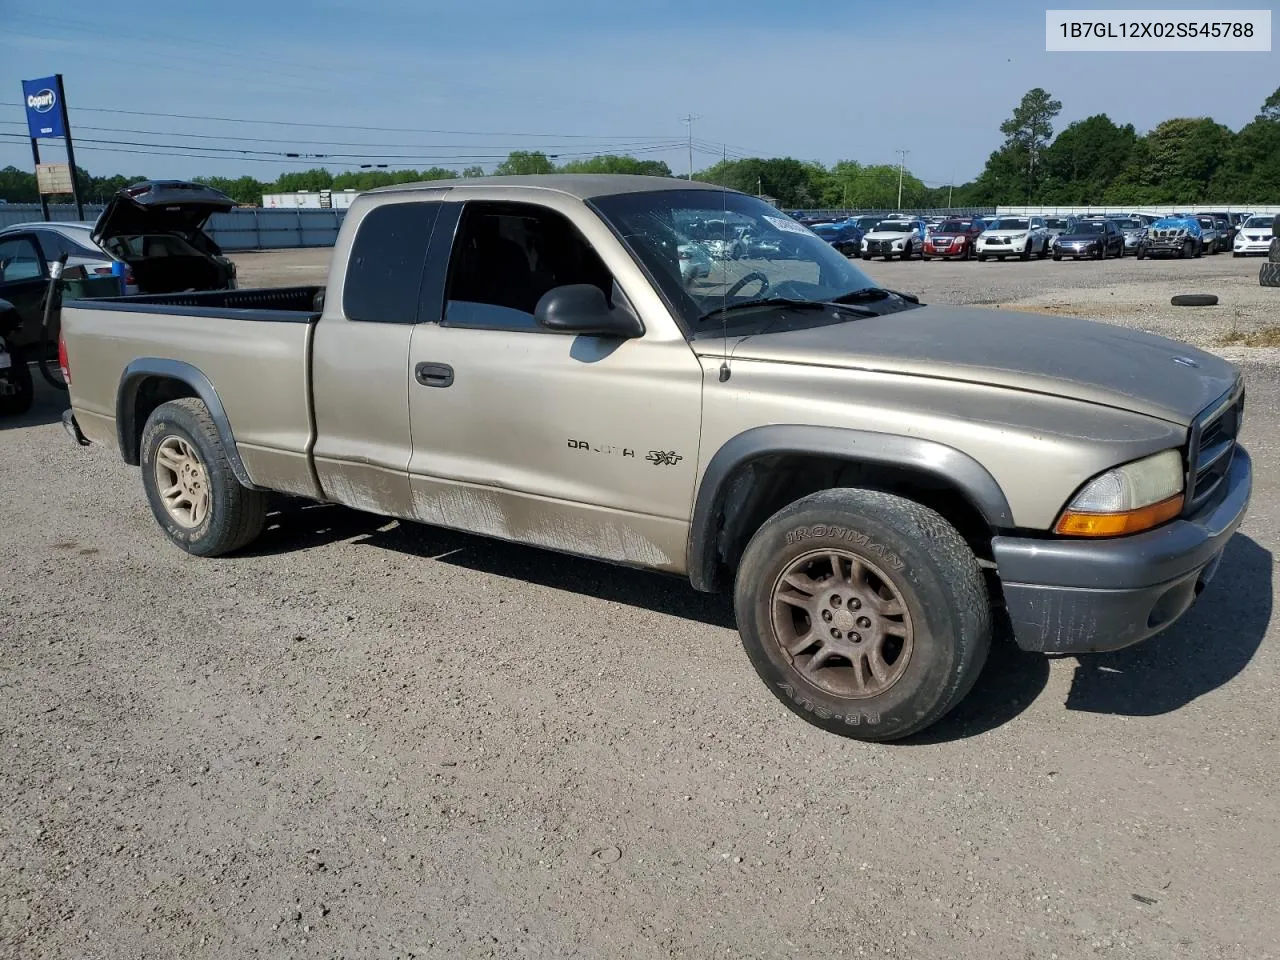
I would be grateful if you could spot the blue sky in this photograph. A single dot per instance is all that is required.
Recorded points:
(818, 80)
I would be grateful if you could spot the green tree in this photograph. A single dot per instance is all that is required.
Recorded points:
(18, 186)
(1027, 133)
(523, 162)
(1250, 168)
(1271, 108)
(473, 172)
(792, 182)
(315, 179)
(244, 190)
(1185, 155)
(1084, 159)
(611, 163)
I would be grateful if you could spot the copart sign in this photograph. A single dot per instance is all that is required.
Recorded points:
(44, 112)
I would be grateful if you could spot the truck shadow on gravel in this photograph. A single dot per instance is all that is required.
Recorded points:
(296, 525)
(1212, 643)
(46, 407)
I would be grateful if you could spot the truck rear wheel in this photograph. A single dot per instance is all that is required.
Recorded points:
(865, 613)
(193, 492)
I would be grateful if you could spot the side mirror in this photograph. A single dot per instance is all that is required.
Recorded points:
(581, 308)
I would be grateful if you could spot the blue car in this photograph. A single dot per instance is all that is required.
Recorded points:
(1177, 236)
(844, 236)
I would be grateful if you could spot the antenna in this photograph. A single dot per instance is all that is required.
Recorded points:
(689, 118)
(724, 240)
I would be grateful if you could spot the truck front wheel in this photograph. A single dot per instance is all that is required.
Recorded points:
(865, 613)
(193, 492)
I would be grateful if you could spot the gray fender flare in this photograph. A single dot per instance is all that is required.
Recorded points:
(956, 468)
(144, 368)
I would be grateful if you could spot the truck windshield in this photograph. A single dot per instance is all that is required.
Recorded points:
(773, 258)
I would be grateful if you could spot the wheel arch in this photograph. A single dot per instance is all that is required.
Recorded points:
(736, 486)
(148, 382)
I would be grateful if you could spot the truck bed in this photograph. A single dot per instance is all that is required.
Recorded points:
(277, 304)
(254, 345)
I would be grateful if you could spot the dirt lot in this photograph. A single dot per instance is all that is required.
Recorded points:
(366, 739)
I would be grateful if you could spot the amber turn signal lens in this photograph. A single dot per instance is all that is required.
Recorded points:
(1076, 524)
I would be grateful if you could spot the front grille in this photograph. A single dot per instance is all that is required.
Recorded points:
(1213, 444)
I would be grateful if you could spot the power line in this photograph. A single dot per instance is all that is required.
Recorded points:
(346, 126)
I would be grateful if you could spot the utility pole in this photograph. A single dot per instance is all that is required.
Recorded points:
(689, 120)
(902, 159)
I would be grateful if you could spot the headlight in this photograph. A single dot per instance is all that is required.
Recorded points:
(897, 243)
(1126, 499)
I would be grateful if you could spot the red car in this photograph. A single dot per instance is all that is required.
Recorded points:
(953, 238)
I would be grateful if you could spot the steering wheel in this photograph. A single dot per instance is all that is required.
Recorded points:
(743, 281)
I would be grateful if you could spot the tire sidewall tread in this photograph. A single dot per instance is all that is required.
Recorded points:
(236, 513)
(931, 566)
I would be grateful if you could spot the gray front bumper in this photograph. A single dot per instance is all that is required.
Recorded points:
(1082, 596)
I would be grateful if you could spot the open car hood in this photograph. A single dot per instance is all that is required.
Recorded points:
(160, 206)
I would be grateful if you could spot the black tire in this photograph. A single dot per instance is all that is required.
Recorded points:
(914, 553)
(1269, 275)
(1273, 251)
(235, 514)
(1237, 254)
(1186, 250)
(866, 256)
(1058, 257)
(18, 389)
(1200, 250)
(982, 258)
(1142, 252)
(925, 259)
(1044, 251)
(1194, 300)
(906, 251)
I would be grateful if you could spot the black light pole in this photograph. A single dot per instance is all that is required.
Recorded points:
(71, 154)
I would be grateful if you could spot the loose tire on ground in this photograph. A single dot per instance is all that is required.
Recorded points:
(208, 513)
(1194, 300)
(919, 636)
(1269, 275)
(1273, 251)
(18, 389)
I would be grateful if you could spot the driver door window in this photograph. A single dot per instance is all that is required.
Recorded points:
(506, 257)
(20, 260)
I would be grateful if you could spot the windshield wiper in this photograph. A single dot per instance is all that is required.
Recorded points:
(873, 293)
(765, 302)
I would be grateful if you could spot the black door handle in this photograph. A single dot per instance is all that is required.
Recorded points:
(434, 374)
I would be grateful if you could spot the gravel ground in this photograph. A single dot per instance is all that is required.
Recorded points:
(369, 739)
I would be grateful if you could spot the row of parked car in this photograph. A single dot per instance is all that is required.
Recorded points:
(904, 237)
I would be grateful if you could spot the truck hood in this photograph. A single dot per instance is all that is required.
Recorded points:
(160, 206)
(890, 235)
(1060, 356)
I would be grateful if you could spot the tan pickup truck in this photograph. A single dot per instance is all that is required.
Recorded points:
(558, 361)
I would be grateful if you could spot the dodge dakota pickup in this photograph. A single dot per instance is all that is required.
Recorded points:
(878, 481)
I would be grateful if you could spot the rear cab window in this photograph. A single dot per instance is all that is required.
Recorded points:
(383, 282)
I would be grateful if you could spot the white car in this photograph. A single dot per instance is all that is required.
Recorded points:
(1254, 235)
(894, 238)
(1014, 237)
